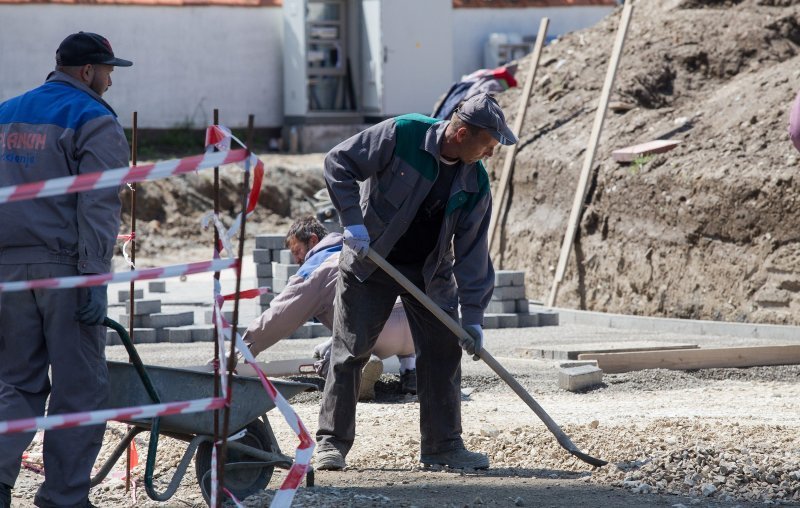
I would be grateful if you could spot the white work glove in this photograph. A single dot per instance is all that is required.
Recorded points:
(473, 346)
(357, 238)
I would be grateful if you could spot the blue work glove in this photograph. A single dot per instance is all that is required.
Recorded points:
(473, 346)
(94, 311)
(357, 238)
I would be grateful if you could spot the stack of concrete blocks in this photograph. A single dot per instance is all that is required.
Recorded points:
(268, 249)
(153, 325)
(274, 267)
(509, 308)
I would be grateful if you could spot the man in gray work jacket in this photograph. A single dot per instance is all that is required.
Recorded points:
(424, 204)
(59, 129)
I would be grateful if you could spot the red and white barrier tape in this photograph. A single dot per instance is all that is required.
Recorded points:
(106, 278)
(128, 239)
(119, 176)
(85, 418)
(285, 494)
(220, 137)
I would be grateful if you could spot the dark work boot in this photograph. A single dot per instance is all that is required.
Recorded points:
(456, 459)
(408, 382)
(5, 496)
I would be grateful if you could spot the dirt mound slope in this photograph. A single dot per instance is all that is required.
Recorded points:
(710, 230)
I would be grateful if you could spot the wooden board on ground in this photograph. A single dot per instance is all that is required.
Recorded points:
(572, 351)
(631, 153)
(277, 368)
(689, 359)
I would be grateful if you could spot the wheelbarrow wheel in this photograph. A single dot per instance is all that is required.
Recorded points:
(242, 482)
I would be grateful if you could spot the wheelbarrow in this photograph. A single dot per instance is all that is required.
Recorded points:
(253, 451)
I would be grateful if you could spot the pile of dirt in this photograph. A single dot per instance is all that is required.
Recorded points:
(710, 230)
(169, 212)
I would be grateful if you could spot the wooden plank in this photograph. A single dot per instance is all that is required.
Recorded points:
(689, 359)
(277, 368)
(631, 153)
(588, 162)
(511, 151)
(573, 351)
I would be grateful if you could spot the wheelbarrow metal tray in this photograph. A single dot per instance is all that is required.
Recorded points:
(249, 401)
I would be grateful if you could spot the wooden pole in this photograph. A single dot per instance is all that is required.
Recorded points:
(594, 139)
(511, 151)
(131, 303)
(217, 366)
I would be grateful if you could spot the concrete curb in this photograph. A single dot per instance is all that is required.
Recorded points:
(673, 325)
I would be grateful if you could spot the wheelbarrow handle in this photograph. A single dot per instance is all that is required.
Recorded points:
(484, 355)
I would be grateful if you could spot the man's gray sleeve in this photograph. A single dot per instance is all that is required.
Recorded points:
(100, 144)
(473, 267)
(355, 160)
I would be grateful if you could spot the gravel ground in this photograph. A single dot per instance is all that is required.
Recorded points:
(725, 437)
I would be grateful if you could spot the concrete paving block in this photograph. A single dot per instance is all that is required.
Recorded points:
(276, 254)
(180, 334)
(502, 307)
(508, 293)
(272, 241)
(202, 333)
(523, 306)
(575, 379)
(508, 320)
(266, 299)
(124, 294)
(278, 285)
(262, 256)
(157, 286)
(319, 330)
(162, 335)
(264, 270)
(112, 338)
(490, 321)
(208, 316)
(283, 271)
(144, 335)
(304, 332)
(509, 278)
(142, 307)
(285, 257)
(140, 336)
(265, 282)
(161, 320)
(547, 317)
(527, 320)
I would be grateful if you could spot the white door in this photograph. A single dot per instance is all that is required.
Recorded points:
(371, 55)
(417, 63)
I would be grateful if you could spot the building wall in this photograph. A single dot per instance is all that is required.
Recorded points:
(471, 28)
(187, 60)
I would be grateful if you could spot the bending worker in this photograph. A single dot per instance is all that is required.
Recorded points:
(310, 292)
(61, 128)
(413, 189)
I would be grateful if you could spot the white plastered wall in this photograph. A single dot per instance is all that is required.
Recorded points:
(187, 60)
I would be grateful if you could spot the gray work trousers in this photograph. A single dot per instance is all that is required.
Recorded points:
(38, 332)
(361, 309)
